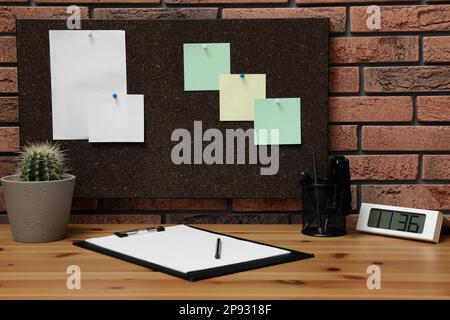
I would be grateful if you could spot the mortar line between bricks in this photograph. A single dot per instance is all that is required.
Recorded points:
(289, 3)
(389, 152)
(380, 64)
(9, 124)
(185, 212)
(359, 138)
(393, 123)
(421, 50)
(398, 33)
(402, 182)
(420, 169)
(401, 94)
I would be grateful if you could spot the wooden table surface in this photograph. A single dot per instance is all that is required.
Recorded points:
(409, 269)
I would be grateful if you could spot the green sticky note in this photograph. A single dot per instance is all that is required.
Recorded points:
(203, 63)
(277, 114)
(237, 95)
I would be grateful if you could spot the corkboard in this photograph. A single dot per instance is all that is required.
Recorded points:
(293, 53)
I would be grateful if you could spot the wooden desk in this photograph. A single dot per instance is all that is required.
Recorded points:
(410, 269)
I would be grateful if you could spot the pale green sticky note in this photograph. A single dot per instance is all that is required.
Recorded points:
(237, 95)
(281, 114)
(203, 63)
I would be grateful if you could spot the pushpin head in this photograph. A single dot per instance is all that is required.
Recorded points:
(242, 75)
(205, 46)
(90, 34)
(115, 96)
(277, 101)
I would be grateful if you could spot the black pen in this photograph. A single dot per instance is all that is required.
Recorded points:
(218, 248)
(123, 234)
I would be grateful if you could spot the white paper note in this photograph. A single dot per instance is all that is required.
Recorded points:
(116, 120)
(83, 62)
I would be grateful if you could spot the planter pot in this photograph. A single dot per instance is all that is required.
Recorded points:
(38, 211)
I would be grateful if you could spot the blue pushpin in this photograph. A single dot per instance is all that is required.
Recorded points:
(115, 96)
(242, 75)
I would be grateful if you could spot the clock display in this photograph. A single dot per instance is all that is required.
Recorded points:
(396, 220)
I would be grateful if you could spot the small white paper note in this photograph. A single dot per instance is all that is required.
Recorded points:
(116, 120)
(83, 62)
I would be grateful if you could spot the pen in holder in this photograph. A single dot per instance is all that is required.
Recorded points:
(326, 202)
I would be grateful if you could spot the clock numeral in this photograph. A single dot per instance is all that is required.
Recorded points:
(404, 223)
(413, 226)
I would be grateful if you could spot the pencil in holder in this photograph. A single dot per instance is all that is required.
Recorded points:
(320, 217)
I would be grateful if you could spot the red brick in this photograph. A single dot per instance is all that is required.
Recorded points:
(374, 49)
(433, 108)
(100, 1)
(156, 13)
(370, 109)
(354, 196)
(436, 49)
(8, 15)
(403, 18)
(406, 138)
(237, 218)
(116, 218)
(343, 79)
(84, 204)
(9, 139)
(436, 167)
(8, 166)
(300, 2)
(116, 204)
(432, 197)
(177, 204)
(189, 2)
(8, 80)
(9, 109)
(384, 167)
(407, 79)
(244, 205)
(8, 49)
(337, 15)
(342, 138)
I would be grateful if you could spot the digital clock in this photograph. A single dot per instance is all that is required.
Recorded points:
(409, 223)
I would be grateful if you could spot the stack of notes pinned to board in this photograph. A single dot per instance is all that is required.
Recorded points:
(85, 64)
(242, 97)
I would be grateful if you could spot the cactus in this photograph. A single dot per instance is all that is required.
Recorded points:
(42, 162)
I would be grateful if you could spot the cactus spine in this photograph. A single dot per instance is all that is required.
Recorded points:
(42, 162)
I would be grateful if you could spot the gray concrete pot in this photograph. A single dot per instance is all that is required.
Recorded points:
(38, 211)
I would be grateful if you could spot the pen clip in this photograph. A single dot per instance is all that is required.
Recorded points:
(123, 234)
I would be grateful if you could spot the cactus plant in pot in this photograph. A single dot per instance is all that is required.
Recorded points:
(39, 197)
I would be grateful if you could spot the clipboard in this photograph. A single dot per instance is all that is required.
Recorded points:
(281, 255)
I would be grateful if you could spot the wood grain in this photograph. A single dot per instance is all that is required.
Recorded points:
(410, 269)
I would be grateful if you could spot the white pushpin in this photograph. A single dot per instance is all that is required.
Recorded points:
(205, 46)
(90, 35)
(277, 101)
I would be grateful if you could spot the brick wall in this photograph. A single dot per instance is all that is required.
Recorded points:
(389, 107)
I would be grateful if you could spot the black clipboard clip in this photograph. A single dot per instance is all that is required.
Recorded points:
(123, 234)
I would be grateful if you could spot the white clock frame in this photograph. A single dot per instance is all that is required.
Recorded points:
(431, 230)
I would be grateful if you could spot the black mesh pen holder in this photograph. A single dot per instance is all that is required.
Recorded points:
(320, 217)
